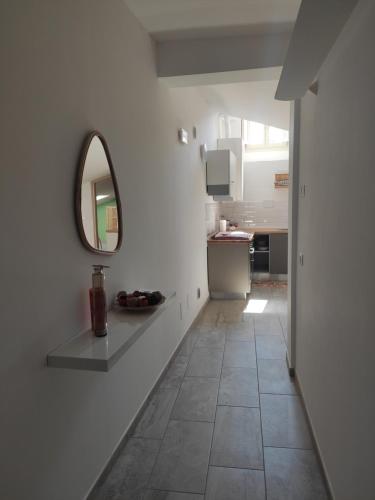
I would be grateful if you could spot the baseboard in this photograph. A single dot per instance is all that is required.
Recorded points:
(314, 440)
(292, 372)
(131, 428)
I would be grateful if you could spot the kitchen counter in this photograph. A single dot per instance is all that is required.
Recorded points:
(250, 230)
(211, 240)
(265, 230)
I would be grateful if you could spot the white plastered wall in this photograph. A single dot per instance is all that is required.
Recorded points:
(335, 341)
(73, 67)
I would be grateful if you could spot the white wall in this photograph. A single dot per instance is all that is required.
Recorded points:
(72, 67)
(259, 178)
(252, 100)
(335, 340)
(262, 205)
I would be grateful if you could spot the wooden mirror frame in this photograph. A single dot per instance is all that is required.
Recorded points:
(78, 194)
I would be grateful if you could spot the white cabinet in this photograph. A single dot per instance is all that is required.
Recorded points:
(221, 174)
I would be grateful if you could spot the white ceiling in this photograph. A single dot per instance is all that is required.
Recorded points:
(169, 19)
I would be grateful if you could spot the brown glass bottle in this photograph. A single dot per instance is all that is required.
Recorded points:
(98, 302)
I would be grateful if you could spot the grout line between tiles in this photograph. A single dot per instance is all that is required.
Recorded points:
(290, 448)
(190, 420)
(213, 430)
(169, 419)
(174, 491)
(238, 406)
(238, 468)
(261, 423)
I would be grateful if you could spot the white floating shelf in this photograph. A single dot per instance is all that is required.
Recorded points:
(87, 352)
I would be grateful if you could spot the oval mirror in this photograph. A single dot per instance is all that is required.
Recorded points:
(98, 207)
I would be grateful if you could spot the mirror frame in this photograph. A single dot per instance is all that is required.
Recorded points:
(78, 194)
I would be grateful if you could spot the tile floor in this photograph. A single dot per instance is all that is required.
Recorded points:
(226, 422)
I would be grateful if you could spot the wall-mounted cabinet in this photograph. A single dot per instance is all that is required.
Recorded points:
(236, 145)
(221, 174)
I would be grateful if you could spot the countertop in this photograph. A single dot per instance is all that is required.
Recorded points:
(251, 230)
(265, 230)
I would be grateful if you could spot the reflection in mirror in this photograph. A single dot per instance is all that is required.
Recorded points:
(98, 203)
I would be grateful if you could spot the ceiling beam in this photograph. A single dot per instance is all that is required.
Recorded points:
(215, 55)
(245, 75)
(318, 25)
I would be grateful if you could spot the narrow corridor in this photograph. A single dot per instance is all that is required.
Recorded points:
(226, 422)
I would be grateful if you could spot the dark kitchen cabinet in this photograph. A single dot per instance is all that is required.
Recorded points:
(261, 253)
(278, 253)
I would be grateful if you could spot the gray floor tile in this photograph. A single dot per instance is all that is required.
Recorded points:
(274, 377)
(208, 317)
(175, 374)
(233, 312)
(293, 475)
(284, 326)
(272, 307)
(155, 418)
(257, 294)
(240, 332)
(240, 355)
(235, 484)
(237, 438)
(183, 459)
(214, 338)
(238, 387)
(169, 495)
(237, 318)
(283, 422)
(188, 344)
(267, 325)
(196, 400)
(131, 471)
(270, 347)
(228, 305)
(205, 362)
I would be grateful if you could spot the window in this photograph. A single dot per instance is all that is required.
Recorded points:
(255, 135)
(261, 136)
(262, 142)
(230, 127)
(277, 136)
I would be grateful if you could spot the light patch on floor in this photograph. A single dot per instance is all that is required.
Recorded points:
(255, 306)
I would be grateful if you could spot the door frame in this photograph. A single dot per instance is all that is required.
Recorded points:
(294, 145)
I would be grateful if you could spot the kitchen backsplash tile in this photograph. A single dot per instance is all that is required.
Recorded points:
(212, 217)
(266, 213)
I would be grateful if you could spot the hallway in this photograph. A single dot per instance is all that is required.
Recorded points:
(225, 422)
